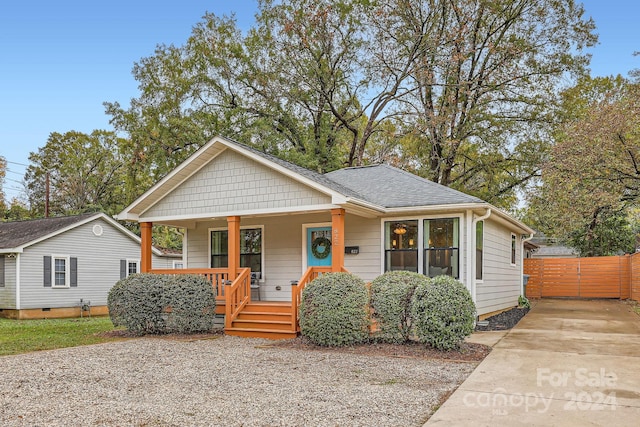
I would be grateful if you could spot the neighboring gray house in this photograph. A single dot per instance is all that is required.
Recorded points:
(367, 220)
(48, 265)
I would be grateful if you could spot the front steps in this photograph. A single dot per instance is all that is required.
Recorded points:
(264, 319)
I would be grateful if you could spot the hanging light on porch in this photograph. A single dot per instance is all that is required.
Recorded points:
(400, 229)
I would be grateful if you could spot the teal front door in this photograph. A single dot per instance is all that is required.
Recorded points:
(318, 246)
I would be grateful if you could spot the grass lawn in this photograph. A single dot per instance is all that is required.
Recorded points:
(23, 336)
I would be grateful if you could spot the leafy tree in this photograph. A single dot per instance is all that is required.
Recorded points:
(592, 177)
(16, 211)
(86, 173)
(468, 87)
(485, 95)
(608, 233)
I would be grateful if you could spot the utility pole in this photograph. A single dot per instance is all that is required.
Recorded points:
(46, 195)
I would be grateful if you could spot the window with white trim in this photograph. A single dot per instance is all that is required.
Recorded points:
(479, 249)
(178, 264)
(133, 266)
(60, 272)
(513, 249)
(250, 249)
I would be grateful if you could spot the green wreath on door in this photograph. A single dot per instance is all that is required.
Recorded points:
(321, 241)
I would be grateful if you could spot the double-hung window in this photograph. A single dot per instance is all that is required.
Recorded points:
(442, 247)
(60, 272)
(250, 249)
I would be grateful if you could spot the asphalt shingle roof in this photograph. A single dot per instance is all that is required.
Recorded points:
(18, 233)
(391, 187)
(381, 185)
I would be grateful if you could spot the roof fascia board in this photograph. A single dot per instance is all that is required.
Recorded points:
(16, 250)
(61, 230)
(125, 214)
(512, 222)
(255, 212)
(101, 215)
(336, 197)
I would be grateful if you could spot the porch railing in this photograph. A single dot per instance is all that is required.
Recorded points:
(217, 276)
(296, 292)
(237, 295)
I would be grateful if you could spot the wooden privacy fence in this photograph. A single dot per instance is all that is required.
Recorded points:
(598, 277)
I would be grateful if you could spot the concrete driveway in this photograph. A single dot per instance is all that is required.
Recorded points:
(567, 363)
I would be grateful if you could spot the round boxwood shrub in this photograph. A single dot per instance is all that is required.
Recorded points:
(334, 310)
(443, 312)
(161, 304)
(391, 303)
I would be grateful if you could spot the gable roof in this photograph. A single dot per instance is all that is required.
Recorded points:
(379, 189)
(17, 235)
(390, 187)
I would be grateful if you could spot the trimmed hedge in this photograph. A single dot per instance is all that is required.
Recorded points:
(443, 312)
(391, 303)
(334, 310)
(161, 304)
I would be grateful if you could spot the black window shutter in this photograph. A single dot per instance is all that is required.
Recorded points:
(74, 272)
(2, 271)
(47, 272)
(123, 268)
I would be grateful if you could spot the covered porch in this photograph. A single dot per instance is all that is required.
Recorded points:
(271, 311)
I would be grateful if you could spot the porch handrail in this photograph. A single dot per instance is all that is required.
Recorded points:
(237, 295)
(217, 276)
(298, 287)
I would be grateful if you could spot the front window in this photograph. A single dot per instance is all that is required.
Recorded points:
(60, 272)
(250, 248)
(401, 245)
(132, 267)
(479, 248)
(441, 243)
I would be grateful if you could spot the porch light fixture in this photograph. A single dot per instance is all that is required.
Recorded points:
(400, 229)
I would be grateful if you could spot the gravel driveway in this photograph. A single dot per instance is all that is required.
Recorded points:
(228, 381)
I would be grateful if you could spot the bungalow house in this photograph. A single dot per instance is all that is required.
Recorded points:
(55, 267)
(255, 221)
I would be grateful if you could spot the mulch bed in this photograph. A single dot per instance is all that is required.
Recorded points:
(467, 352)
(505, 320)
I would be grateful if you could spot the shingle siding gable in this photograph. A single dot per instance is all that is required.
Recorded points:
(233, 182)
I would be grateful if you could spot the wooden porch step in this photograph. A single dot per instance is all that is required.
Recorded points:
(264, 315)
(273, 334)
(279, 325)
(267, 307)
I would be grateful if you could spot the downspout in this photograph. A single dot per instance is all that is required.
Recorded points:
(475, 221)
(522, 291)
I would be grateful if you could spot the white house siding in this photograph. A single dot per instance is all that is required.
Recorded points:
(8, 291)
(283, 251)
(232, 182)
(501, 285)
(364, 233)
(98, 266)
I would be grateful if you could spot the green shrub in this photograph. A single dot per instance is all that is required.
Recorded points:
(391, 303)
(334, 310)
(443, 313)
(160, 304)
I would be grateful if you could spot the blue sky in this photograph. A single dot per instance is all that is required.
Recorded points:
(60, 60)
